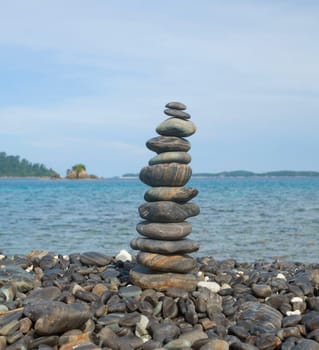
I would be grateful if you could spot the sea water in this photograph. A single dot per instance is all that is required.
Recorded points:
(241, 218)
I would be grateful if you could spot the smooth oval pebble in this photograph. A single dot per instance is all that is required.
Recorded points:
(162, 144)
(176, 127)
(165, 231)
(175, 194)
(181, 246)
(177, 113)
(171, 175)
(166, 263)
(176, 105)
(165, 211)
(95, 258)
(171, 157)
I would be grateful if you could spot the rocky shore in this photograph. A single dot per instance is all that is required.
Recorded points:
(87, 302)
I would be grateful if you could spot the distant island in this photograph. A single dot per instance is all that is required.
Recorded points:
(13, 166)
(245, 173)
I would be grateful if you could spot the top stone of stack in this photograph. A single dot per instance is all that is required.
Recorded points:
(176, 105)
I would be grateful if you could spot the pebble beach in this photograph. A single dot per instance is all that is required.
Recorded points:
(87, 301)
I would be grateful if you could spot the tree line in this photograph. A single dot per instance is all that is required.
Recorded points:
(14, 166)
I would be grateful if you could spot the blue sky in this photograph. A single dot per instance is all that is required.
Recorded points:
(87, 81)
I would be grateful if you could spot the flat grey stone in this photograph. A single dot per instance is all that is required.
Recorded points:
(176, 113)
(171, 157)
(181, 246)
(176, 105)
(164, 231)
(174, 194)
(161, 144)
(165, 211)
(176, 127)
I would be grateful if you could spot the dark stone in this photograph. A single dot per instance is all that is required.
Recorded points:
(95, 258)
(129, 291)
(176, 127)
(48, 293)
(174, 194)
(167, 263)
(146, 278)
(53, 317)
(171, 157)
(165, 231)
(130, 319)
(167, 212)
(260, 315)
(170, 174)
(22, 280)
(176, 113)
(268, 342)
(170, 309)
(311, 320)
(164, 247)
(306, 344)
(290, 321)
(261, 290)
(176, 105)
(9, 323)
(162, 144)
(165, 332)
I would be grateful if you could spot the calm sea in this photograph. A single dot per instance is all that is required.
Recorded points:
(245, 219)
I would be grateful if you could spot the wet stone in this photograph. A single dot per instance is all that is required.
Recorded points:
(167, 263)
(176, 127)
(168, 174)
(52, 317)
(167, 212)
(176, 105)
(164, 231)
(171, 157)
(165, 247)
(162, 144)
(48, 293)
(175, 194)
(176, 113)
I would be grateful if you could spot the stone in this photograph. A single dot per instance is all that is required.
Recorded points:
(176, 105)
(146, 279)
(306, 344)
(260, 315)
(215, 344)
(164, 231)
(162, 144)
(170, 174)
(123, 256)
(130, 291)
(211, 285)
(171, 157)
(167, 263)
(176, 127)
(268, 342)
(95, 258)
(174, 194)
(165, 247)
(9, 322)
(261, 290)
(108, 338)
(170, 309)
(53, 317)
(48, 293)
(13, 275)
(176, 113)
(193, 336)
(167, 212)
(178, 344)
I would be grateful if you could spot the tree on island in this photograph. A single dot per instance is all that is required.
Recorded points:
(78, 171)
(13, 166)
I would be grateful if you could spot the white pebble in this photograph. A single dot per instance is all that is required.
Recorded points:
(291, 313)
(225, 286)
(2, 256)
(123, 255)
(296, 300)
(199, 273)
(281, 276)
(29, 269)
(213, 286)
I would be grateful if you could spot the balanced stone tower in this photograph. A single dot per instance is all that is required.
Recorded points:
(164, 260)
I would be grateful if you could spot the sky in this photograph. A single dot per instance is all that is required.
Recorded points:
(87, 82)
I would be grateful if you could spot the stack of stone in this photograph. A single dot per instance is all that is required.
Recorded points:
(163, 258)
